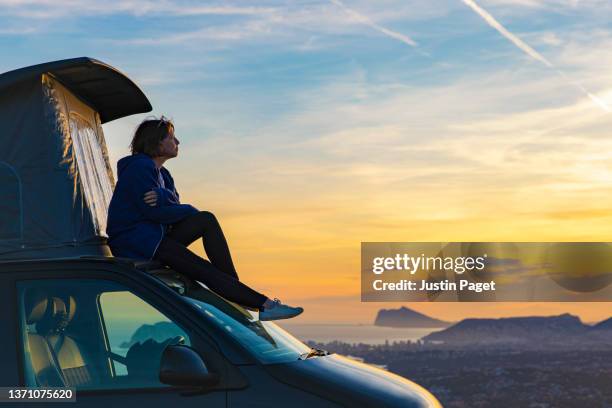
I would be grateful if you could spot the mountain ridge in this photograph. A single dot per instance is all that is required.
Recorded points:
(405, 317)
(525, 330)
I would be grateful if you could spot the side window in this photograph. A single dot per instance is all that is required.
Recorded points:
(92, 334)
(135, 327)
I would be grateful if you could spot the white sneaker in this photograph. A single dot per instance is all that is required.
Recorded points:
(279, 311)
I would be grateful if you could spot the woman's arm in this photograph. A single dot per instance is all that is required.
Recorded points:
(167, 195)
(142, 178)
(160, 197)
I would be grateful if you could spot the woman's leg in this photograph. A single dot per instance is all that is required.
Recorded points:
(205, 225)
(176, 255)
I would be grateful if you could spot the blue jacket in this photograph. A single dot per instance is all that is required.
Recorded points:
(135, 228)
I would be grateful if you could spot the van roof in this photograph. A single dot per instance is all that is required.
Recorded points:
(150, 267)
(69, 259)
(107, 90)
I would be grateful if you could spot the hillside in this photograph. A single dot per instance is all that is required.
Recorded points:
(404, 317)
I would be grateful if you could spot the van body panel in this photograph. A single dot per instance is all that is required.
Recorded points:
(9, 344)
(266, 391)
(352, 383)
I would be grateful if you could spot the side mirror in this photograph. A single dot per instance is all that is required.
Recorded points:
(181, 366)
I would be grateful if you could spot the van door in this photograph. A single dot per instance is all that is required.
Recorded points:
(103, 339)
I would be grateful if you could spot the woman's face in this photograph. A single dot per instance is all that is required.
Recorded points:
(168, 147)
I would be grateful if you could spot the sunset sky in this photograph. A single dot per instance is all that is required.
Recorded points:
(308, 127)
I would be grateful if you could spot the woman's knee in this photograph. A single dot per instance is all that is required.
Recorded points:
(207, 218)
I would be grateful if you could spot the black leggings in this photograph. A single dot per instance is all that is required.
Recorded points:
(219, 274)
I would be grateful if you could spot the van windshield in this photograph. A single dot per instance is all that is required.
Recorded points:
(266, 341)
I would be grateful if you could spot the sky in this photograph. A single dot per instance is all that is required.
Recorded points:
(309, 127)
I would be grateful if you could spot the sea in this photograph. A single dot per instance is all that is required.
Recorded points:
(354, 333)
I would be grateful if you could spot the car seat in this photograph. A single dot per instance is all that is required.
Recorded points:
(67, 353)
(38, 356)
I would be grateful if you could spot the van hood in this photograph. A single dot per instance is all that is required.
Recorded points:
(351, 383)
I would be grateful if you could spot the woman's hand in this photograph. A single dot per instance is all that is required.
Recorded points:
(150, 198)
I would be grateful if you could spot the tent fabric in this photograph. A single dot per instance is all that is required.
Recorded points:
(109, 92)
(55, 177)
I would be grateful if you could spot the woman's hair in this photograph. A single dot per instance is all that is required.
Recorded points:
(149, 134)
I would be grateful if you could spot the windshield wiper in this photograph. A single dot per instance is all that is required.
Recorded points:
(313, 353)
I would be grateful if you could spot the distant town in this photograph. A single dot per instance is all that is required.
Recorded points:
(554, 361)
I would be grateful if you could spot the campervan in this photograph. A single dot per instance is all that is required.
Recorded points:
(121, 332)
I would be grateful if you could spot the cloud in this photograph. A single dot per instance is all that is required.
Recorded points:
(219, 10)
(18, 31)
(532, 53)
(503, 31)
(420, 157)
(365, 20)
(221, 34)
(48, 9)
(535, 3)
(287, 25)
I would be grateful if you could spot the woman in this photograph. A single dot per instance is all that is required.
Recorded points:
(146, 220)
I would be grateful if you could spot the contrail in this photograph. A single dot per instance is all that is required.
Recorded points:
(530, 51)
(364, 20)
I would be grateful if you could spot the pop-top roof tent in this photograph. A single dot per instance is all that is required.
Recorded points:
(55, 177)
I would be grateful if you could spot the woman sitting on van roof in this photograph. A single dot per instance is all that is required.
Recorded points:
(147, 220)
